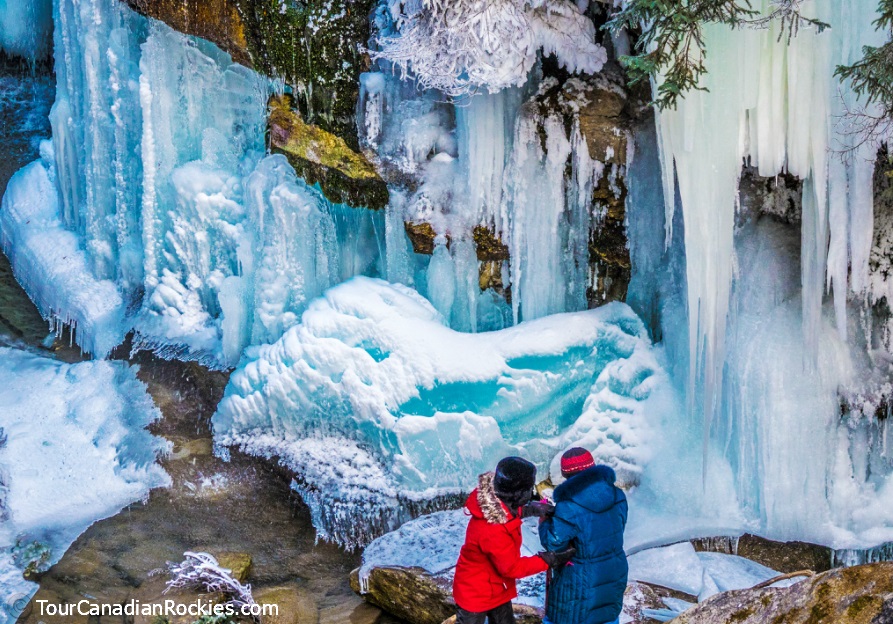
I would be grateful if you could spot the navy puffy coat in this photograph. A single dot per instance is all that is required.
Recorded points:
(590, 514)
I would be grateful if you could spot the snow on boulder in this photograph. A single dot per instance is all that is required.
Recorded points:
(372, 398)
(73, 449)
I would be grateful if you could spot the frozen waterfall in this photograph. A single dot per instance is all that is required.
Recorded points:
(167, 204)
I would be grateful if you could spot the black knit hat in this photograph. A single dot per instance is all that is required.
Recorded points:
(514, 481)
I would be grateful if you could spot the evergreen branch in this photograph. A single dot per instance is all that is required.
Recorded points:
(672, 42)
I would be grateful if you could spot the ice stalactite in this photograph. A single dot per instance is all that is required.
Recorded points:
(160, 170)
(778, 109)
(501, 166)
(548, 216)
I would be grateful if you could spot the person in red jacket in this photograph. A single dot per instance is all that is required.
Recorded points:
(490, 560)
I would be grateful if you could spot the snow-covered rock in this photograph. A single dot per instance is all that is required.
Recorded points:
(863, 594)
(74, 450)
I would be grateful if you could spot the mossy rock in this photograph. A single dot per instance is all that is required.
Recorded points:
(318, 48)
(238, 564)
(858, 595)
(344, 175)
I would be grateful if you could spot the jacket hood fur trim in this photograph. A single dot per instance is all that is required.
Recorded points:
(491, 507)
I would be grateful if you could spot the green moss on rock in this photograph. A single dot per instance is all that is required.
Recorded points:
(318, 156)
(317, 48)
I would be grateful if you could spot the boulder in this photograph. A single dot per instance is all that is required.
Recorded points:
(411, 594)
(858, 595)
(414, 595)
(784, 556)
(238, 564)
(344, 175)
(295, 606)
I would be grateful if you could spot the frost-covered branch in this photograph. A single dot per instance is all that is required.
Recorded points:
(201, 571)
(789, 14)
(462, 46)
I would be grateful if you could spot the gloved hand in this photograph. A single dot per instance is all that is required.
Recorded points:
(558, 559)
(537, 509)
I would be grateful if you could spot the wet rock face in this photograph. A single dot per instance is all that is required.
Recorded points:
(315, 46)
(859, 595)
(217, 21)
(318, 156)
(780, 197)
(599, 105)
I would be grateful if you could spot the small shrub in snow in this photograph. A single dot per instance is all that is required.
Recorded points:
(462, 46)
(202, 572)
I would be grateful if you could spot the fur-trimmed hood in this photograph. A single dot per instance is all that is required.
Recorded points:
(483, 502)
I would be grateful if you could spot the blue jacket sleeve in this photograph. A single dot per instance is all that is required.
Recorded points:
(557, 532)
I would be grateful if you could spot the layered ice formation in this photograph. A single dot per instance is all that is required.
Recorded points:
(73, 450)
(423, 409)
(170, 218)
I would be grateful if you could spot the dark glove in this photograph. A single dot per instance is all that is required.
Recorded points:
(537, 509)
(558, 559)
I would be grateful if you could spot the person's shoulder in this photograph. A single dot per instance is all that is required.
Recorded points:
(599, 475)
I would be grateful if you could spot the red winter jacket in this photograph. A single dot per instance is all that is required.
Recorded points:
(490, 559)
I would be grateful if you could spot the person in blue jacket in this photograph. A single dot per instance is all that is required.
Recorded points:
(590, 514)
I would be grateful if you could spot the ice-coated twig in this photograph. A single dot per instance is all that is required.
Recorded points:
(201, 571)
(788, 13)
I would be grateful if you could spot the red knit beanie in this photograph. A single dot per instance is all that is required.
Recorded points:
(575, 460)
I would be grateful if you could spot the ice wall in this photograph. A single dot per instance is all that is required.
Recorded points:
(414, 410)
(201, 244)
(75, 450)
(776, 104)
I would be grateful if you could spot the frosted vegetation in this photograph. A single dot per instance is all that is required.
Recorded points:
(716, 393)
(460, 47)
(73, 450)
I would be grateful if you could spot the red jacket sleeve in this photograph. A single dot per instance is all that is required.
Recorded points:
(506, 557)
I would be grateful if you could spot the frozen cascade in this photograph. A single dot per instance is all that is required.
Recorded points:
(184, 236)
(780, 434)
(548, 217)
(783, 100)
(414, 410)
(488, 169)
(25, 27)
